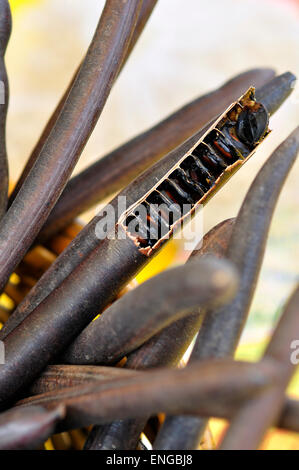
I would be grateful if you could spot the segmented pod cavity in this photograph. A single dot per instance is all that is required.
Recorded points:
(226, 145)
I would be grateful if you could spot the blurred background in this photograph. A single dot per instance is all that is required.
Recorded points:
(188, 48)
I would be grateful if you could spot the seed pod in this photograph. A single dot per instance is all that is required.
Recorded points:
(118, 168)
(27, 428)
(199, 387)
(143, 312)
(56, 377)
(224, 147)
(276, 91)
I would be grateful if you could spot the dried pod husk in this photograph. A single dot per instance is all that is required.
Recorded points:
(117, 169)
(198, 387)
(136, 317)
(56, 377)
(194, 179)
(27, 428)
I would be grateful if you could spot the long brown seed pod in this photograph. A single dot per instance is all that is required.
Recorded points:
(194, 179)
(201, 387)
(5, 30)
(56, 377)
(145, 12)
(164, 349)
(69, 135)
(63, 376)
(86, 241)
(143, 312)
(216, 241)
(55, 323)
(110, 436)
(27, 428)
(118, 168)
(128, 161)
(221, 329)
(288, 419)
(252, 421)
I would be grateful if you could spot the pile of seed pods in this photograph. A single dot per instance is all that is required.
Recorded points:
(91, 359)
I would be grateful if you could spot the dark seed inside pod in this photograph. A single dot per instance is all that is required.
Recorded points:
(192, 187)
(169, 211)
(153, 221)
(223, 146)
(232, 139)
(156, 216)
(145, 229)
(211, 161)
(136, 226)
(137, 229)
(229, 131)
(176, 193)
(252, 124)
(198, 172)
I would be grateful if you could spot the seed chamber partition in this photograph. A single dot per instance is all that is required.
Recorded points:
(226, 145)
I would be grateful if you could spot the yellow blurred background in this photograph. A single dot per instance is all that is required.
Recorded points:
(188, 48)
